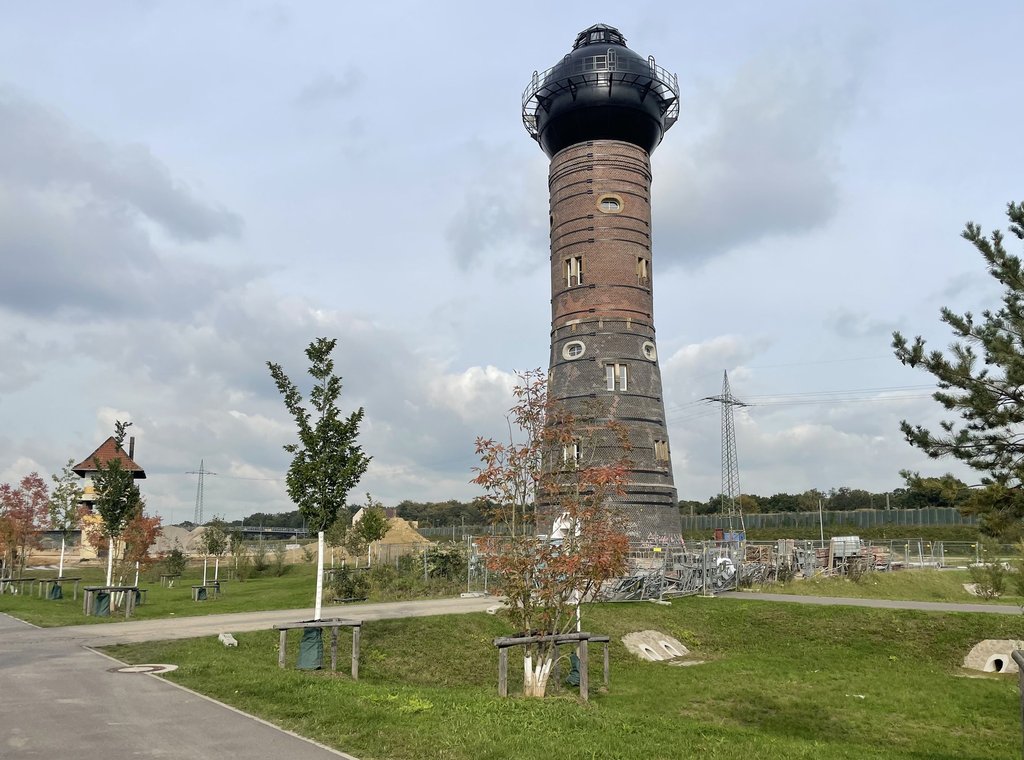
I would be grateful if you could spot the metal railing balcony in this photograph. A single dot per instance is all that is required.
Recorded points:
(571, 73)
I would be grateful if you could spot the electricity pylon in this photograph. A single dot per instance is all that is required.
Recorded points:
(202, 472)
(731, 506)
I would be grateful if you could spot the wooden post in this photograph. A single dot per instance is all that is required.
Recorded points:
(503, 672)
(584, 662)
(282, 645)
(556, 671)
(334, 649)
(355, 652)
(606, 664)
(1018, 657)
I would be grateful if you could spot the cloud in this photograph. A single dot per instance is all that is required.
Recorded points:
(765, 164)
(23, 358)
(330, 88)
(859, 324)
(77, 223)
(501, 220)
(42, 152)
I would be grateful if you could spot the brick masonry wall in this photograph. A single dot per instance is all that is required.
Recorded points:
(606, 317)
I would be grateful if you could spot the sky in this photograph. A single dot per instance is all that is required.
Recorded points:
(189, 190)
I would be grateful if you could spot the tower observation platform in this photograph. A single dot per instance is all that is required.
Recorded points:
(598, 114)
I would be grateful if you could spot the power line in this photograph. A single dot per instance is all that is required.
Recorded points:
(202, 472)
(731, 505)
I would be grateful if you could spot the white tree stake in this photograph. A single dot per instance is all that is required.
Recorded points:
(110, 561)
(216, 568)
(136, 572)
(319, 574)
(204, 569)
(60, 570)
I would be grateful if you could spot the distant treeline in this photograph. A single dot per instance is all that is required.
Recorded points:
(429, 514)
(917, 493)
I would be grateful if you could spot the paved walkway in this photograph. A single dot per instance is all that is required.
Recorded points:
(61, 699)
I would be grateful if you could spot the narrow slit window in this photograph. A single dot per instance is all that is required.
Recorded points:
(616, 377)
(643, 272)
(661, 451)
(574, 271)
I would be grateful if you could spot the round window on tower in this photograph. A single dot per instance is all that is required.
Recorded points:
(609, 204)
(649, 350)
(573, 350)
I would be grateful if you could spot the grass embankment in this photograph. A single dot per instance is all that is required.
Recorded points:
(781, 680)
(916, 585)
(294, 589)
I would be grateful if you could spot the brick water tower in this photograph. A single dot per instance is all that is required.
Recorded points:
(598, 114)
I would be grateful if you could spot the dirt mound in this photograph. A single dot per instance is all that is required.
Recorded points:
(401, 532)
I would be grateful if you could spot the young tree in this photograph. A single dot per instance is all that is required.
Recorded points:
(64, 506)
(137, 538)
(554, 469)
(327, 462)
(981, 381)
(118, 499)
(214, 542)
(23, 512)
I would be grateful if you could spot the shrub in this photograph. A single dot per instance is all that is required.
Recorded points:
(280, 568)
(447, 561)
(350, 584)
(259, 558)
(989, 576)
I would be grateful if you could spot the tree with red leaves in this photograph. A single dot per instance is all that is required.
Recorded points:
(23, 513)
(553, 469)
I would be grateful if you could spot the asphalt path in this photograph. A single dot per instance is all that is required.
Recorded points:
(63, 699)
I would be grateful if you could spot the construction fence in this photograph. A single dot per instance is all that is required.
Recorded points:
(856, 518)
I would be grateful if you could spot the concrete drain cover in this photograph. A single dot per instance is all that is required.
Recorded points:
(654, 646)
(144, 669)
(993, 656)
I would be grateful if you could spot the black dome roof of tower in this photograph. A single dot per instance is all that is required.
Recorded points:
(601, 90)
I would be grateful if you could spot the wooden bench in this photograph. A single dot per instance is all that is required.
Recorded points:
(504, 643)
(215, 587)
(334, 624)
(128, 593)
(58, 581)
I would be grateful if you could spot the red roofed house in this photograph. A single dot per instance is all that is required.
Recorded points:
(107, 451)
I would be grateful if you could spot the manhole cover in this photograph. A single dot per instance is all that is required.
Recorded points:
(144, 669)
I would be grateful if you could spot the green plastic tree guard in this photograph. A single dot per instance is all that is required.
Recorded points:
(201, 594)
(56, 592)
(573, 678)
(311, 649)
(101, 604)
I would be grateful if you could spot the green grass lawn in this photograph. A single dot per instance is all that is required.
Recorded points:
(781, 680)
(294, 589)
(917, 585)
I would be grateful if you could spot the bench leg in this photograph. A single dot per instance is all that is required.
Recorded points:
(281, 647)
